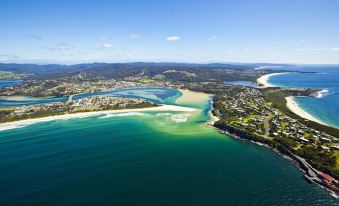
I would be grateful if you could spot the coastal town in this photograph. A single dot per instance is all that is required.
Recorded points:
(86, 104)
(71, 86)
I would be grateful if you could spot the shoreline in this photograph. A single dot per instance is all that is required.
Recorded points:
(296, 109)
(21, 123)
(299, 162)
(263, 80)
(213, 117)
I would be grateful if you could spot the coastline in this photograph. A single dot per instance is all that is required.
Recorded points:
(290, 102)
(310, 173)
(189, 96)
(25, 122)
(263, 80)
(295, 108)
(213, 117)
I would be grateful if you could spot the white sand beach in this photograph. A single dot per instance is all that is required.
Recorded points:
(188, 97)
(263, 80)
(294, 107)
(17, 98)
(162, 108)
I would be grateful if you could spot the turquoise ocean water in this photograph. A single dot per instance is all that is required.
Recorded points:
(145, 158)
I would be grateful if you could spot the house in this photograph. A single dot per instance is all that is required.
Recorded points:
(327, 178)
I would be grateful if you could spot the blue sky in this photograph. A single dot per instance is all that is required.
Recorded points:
(63, 31)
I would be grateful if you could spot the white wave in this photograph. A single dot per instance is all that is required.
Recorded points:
(179, 118)
(125, 114)
(163, 114)
(323, 93)
(13, 126)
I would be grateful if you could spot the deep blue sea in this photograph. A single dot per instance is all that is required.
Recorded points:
(323, 77)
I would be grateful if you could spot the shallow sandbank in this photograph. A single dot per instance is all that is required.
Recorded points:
(20, 123)
(189, 97)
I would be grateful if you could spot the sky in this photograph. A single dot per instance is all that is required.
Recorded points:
(197, 31)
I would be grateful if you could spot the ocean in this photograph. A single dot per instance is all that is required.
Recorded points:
(145, 158)
(323, 77)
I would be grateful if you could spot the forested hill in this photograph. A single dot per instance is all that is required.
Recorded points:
(174, 71)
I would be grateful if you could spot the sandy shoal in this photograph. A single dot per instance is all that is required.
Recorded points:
(11, 125)
(189, 97)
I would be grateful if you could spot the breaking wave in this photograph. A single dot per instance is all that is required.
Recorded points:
(177, 118)
(323, 93)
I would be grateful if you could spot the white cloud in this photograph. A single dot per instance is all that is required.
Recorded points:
(230, 51)
(319, 49)
(104, 46)
(212, 38)
(302, 40)
(134, 36)
(65, 44)
(8, 57)
(36, 37)
(173, 38)
(302, 49)
(60, 46)
(103, 38)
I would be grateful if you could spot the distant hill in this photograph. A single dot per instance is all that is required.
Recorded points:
(174, 71)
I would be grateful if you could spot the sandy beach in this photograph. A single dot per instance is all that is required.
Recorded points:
(21, 123)
(294, 107)
(213, 119)
(189, 97)
(263, 80)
